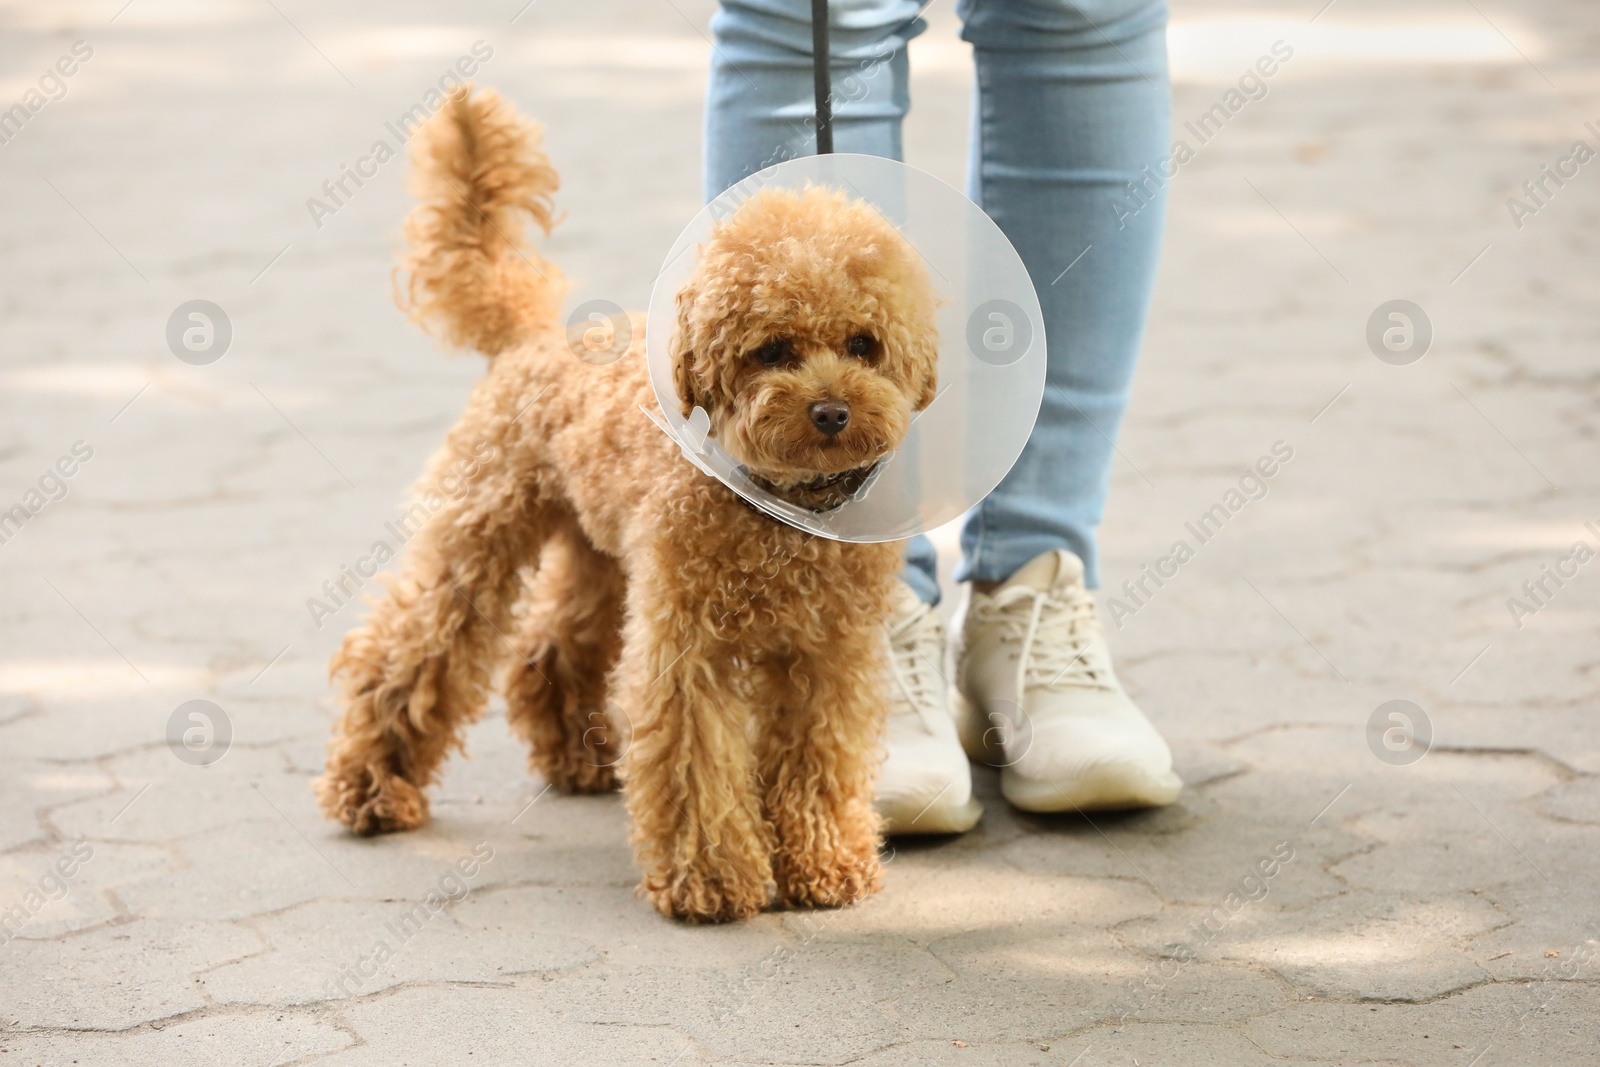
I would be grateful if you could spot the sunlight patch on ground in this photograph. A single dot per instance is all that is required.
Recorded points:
(79, 679)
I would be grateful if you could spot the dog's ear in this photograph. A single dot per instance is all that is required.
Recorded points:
(683, 374)
(681, 347)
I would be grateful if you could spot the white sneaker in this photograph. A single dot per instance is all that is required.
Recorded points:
(1035, 695)
(925, 784)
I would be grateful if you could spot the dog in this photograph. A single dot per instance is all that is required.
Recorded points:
(641, 619)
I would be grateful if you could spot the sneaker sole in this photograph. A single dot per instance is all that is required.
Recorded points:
(1111, 787)
(940, 817)
(1107, 788)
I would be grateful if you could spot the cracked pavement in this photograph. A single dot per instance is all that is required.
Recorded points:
(1440, 910)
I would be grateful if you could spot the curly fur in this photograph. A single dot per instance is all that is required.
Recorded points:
(647, 621)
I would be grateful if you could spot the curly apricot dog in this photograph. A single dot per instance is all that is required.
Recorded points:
(748, 656)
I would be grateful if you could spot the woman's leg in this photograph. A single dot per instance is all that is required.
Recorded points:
(760, 107)
(1073, 105)
(1073, 102)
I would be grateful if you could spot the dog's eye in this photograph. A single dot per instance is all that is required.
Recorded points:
(772, 353)
(862, 345)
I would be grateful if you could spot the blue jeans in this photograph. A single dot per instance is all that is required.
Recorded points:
(1073, 102)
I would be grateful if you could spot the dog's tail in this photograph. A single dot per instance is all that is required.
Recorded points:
(476, 171)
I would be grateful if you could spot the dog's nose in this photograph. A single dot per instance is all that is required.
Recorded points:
(830, 416)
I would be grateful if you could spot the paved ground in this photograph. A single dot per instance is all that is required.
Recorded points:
(1440, 911)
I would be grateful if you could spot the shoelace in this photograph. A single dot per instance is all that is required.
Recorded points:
(1055, 631)
(914, 661)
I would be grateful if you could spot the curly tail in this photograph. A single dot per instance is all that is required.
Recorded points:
(476, 169)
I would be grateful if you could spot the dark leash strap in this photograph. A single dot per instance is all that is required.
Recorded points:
(821, 78)
(820, 75)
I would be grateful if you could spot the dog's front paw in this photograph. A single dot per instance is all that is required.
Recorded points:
(835, 882)
(370, 804)
(707, 896)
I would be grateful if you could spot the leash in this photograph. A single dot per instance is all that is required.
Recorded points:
(821, 76)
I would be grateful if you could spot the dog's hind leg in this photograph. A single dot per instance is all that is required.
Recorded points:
(570, 634)
(417, 670)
